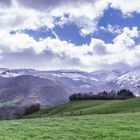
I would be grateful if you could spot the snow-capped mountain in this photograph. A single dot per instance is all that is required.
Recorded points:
(16, 72)
(80, 81)
(27, 86)
(130, 80)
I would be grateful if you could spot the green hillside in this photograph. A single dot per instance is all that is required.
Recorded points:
(88, 107)
(101, 124)
(125, 126)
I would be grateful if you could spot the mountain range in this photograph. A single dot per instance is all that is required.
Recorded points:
(24, 86)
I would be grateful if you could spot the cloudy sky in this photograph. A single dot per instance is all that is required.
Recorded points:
(70, 34)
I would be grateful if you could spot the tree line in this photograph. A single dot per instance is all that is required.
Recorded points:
(122, 94)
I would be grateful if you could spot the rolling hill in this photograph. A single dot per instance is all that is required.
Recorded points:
(88, 107)
(27, 87)
(78, 120)
(20, 92)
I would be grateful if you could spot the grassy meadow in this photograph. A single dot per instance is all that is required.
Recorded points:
(108, 120)
(90, 107)
(89, 127)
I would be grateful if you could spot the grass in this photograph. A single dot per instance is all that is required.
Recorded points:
(90, 107)
(109, 120)
(89, 127)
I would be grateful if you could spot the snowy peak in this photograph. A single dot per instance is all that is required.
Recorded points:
(105, 75)
(78, 81)
(130, 79)
(74, 75)
(16, 72)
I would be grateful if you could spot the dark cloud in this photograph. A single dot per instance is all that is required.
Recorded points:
(121, 65)
(29, 59)
(40, 4)
(48, 4)
(100, 49)
(5, 2)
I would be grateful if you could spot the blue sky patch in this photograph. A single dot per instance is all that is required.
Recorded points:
(71, 33)
(115, 17)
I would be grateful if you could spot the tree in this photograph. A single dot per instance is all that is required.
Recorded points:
(125, 94)
(104, 95)
(32, 108)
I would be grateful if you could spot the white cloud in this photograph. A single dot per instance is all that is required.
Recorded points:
(126, 6)
(20, 49)
(125, 39)
(19, 14)
(32, 15)
(114, 29)
(54, 53)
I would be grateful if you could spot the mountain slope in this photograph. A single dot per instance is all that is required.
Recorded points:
(22, 87)
(80, 81)
(90, 107)
(130, 80)
(26, 88)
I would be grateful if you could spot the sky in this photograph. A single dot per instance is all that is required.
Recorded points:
(86, 35)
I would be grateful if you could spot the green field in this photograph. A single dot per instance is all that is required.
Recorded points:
(90, 107)
(90, 127)
(121, 121)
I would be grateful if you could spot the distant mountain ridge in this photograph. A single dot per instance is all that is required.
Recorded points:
(28, 88)
(52, 87)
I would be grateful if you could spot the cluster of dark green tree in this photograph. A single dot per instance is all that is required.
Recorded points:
(17, 112)
(32, 108)
(26, 110)
(122, 94)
